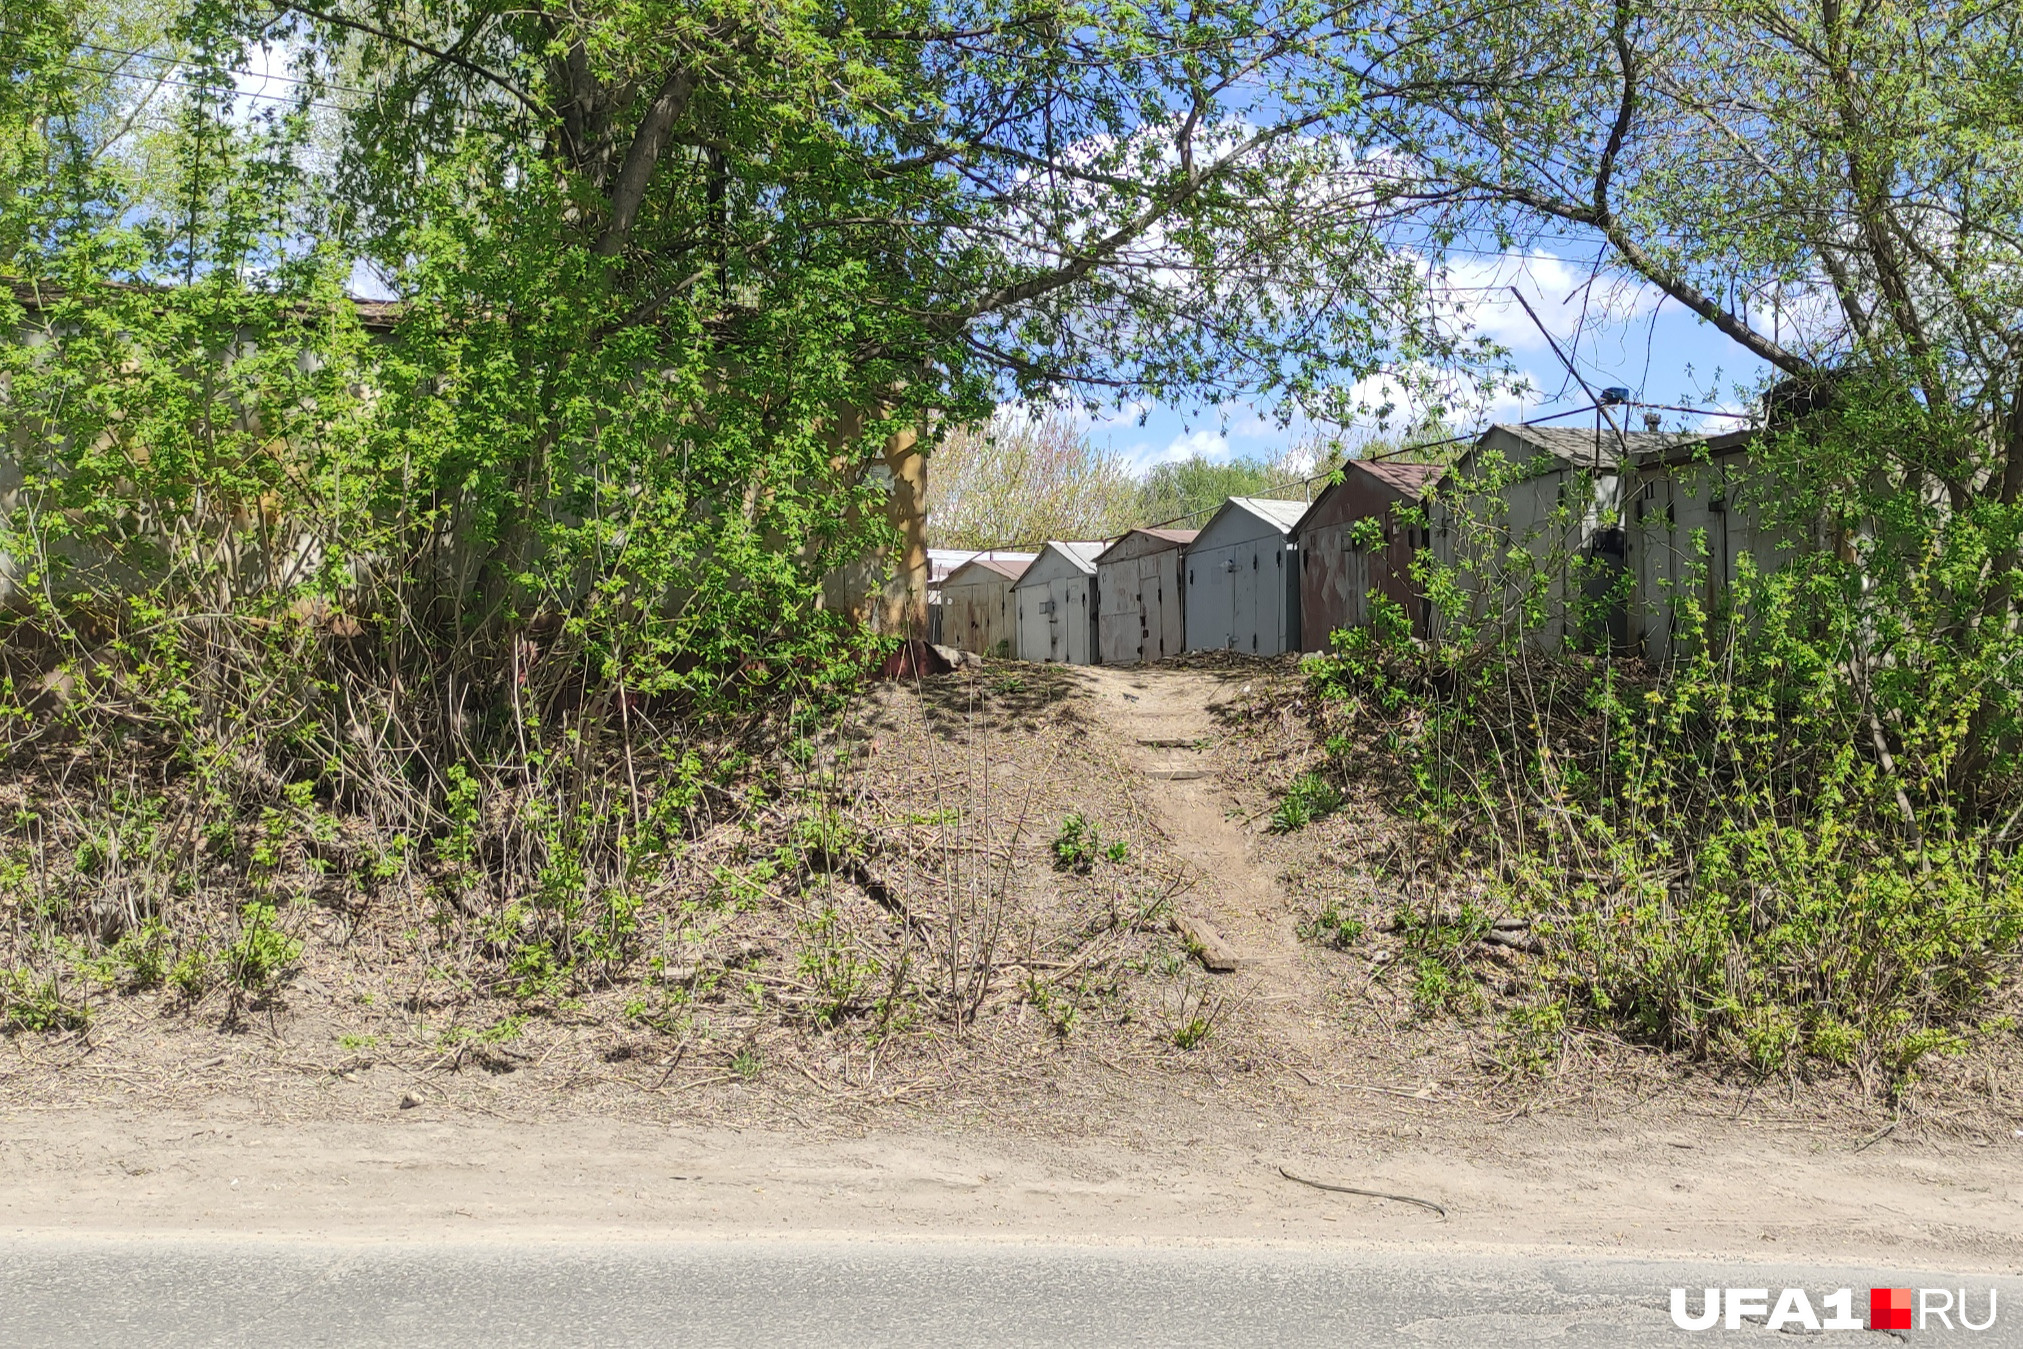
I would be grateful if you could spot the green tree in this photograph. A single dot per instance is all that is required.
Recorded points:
(1187, 491)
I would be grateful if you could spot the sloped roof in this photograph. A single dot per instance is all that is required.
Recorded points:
(1281, 516)
(1173, 538)
(1284, 514)
(943, 563)
(1717, 445)
(1579, 446)
(1078, 554)
(1410, 479)
(1006, 566)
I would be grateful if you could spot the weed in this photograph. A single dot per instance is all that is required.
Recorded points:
(261, 952)
(1311, 797)
(1437, 946)
(1061, 1011)
(194, 971)
(33, 1002)
(1079, 846)
(140, 959)
(838, 975)
(1532, 1039)
(1785, 839)
(1332, 928)
(746, 1063)
(1198, 1013)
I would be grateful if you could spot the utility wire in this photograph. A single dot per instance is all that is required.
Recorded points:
(208, 88)
(185, 61)
(1413, 448)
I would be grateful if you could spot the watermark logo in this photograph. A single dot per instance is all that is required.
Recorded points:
(1890, 1308)
(1793, 1309)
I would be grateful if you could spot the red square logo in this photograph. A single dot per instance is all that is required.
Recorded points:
(1889, 1309)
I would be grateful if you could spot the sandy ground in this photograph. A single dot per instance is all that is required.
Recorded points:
(1721, 1189)
(1108, 1134)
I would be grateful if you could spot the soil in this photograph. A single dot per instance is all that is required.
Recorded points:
(1055, 1060)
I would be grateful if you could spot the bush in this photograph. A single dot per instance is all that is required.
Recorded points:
(33, 1002)
(1789, 846)
(1331, 927)
(261, 952)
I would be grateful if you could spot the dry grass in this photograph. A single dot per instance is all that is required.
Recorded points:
(924, 956)
(887, 925)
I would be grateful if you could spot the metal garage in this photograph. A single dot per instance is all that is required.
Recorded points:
(976, 604)
(1138, 579)
(1340, 567)
(1243, 579)
(1056, 600)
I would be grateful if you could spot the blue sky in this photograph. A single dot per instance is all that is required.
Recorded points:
(1615, 332)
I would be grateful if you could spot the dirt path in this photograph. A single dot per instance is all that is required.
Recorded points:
(1615, 1187)
(1167, 720)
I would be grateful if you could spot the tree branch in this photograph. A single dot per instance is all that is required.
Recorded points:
(448, 57)
(641, 157)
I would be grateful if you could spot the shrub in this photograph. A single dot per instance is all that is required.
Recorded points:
(33, 1002)
(261, 952)
(1788, 845)
(1331, 927)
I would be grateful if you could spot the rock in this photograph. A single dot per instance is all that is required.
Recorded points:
(408, 1100)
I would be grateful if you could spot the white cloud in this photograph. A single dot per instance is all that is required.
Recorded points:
(1576, 304)
(1211, 445)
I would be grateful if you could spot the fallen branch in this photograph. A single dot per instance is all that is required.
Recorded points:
(1367, 1194)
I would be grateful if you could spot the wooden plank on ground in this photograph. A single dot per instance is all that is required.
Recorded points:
(1215, 951)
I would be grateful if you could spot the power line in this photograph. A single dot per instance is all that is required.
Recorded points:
(1414, 448)
(293, 101)
(185, 61)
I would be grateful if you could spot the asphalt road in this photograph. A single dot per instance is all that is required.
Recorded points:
(166, 1293)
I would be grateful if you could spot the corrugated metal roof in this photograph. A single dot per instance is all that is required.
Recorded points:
(1010, 566)
(1284, 514)
(1578, 445)
(943, 563)
(1411, 479)
(1717, 445)
(1171, 538)
(1081, 554)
